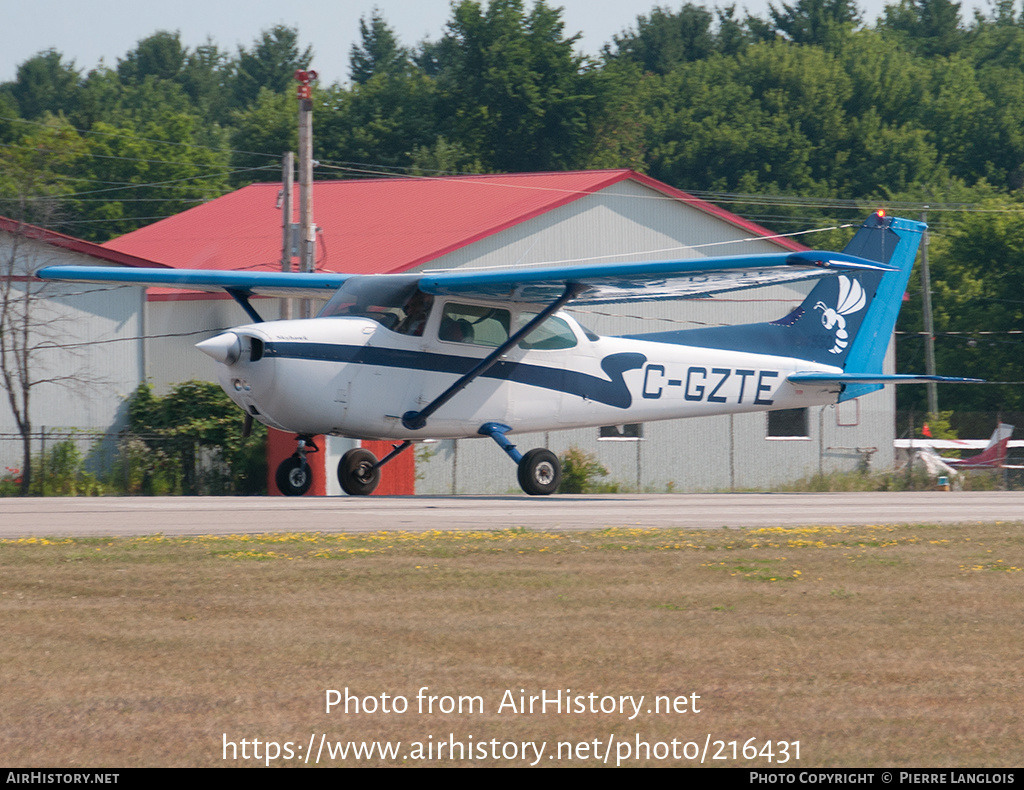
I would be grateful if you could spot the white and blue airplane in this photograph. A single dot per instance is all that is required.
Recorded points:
(458, 354)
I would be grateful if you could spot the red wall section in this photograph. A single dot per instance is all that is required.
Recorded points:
(397, 476)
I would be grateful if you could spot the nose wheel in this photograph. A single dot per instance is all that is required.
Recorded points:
(293, 476)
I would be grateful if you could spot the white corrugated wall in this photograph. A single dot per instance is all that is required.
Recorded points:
(89, 351)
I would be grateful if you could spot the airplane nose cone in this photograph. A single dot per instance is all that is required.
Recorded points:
(224, 348)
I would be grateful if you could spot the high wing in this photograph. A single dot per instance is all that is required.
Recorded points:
(652, 280)
(598, 283)
(282, 284)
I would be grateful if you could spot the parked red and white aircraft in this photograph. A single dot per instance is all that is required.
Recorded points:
(993, 452)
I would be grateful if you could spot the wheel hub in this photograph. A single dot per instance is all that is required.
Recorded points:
(545, 473)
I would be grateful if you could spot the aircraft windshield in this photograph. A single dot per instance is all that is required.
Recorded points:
(396, 303)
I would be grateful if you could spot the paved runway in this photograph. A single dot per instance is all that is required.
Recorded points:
(226, 515)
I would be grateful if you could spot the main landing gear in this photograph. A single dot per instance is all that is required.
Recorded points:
(358, 470)
(540, 471)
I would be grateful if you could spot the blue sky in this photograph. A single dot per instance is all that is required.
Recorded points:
(87, 30)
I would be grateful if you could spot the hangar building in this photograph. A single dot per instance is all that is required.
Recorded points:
(84, 351)
(414, 224)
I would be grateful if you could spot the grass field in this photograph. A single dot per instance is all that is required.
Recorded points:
(869, 646)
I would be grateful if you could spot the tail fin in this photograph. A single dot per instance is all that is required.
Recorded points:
(994, 455)
(845, 321)
(848, 320)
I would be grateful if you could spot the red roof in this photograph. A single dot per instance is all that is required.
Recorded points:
(378, 225)
(75, 245)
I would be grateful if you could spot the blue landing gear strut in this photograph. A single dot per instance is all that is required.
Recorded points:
(540, 471)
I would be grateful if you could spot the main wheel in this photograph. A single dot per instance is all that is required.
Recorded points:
(358, 472)
(293, 476)
(540, 472)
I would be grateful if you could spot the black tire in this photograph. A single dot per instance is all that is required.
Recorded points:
(540, 472)
(357, 472)
(293, 476)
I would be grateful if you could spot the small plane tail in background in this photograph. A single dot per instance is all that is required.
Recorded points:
(994, 454)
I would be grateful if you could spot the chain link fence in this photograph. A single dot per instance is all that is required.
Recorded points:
(83, 462)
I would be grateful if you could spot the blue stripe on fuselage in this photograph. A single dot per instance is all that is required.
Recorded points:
(612, 391)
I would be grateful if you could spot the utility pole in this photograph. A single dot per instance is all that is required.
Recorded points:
(307, 230)
(929, 327)
(287, 245)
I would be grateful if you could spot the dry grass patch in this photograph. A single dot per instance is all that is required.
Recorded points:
(881, 645)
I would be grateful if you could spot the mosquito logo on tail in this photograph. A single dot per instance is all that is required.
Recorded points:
(851, 299)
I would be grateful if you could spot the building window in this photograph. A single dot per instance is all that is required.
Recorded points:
(848, 413)
(631, 432)
(788, 424)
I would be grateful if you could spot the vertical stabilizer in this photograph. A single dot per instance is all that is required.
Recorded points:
(845, 321)
(887, 240)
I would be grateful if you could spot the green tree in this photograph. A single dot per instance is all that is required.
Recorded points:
(194, 433)
(100, 99)
(262, 132)
(160, 55)
(976, 259)
(45, 83)
(513, 91)
(770, 120)
(154, 158)
(929, 27)
(380, 122)
(666, 38)
(270, 63)
(820, 22)
(975, 283)
(378, 51)
(38, 169)
(206, 77)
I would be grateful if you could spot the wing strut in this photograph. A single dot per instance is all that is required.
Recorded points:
(243, 299)
(415, 420)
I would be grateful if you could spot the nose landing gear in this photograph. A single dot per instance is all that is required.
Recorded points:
(293, 476)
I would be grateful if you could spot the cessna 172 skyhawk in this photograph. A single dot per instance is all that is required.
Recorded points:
(457, 354)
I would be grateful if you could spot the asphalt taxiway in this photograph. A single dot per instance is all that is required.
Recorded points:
(20, 518)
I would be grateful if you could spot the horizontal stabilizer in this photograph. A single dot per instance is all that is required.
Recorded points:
(875, 378)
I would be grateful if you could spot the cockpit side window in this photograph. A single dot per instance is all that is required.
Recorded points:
(415, 314)
(480, 326)
(396, 304)
(554, 333)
